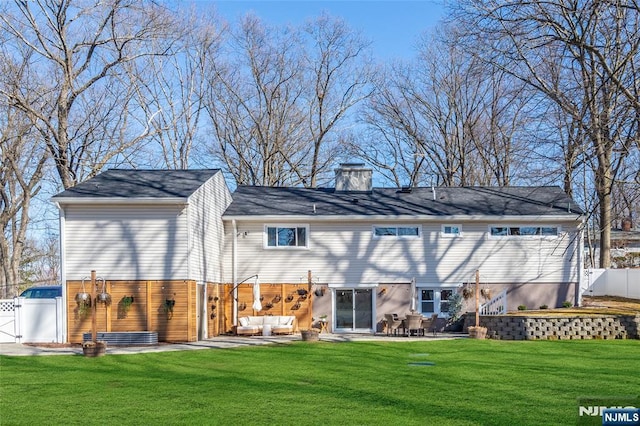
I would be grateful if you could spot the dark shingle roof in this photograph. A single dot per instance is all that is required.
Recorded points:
(463, 201)
(130, 184)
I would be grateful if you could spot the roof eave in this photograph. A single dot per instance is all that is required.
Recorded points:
(423, 218)
(118, 200)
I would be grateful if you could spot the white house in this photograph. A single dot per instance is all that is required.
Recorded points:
(362, 251)
(367, 245)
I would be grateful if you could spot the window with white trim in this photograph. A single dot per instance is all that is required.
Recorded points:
(404, 231)
(524, 231)
(451, 231)
(435, 300)
(284, 236)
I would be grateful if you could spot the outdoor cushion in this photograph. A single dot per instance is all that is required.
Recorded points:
(271, 320)
(244, 321)
(286, 320)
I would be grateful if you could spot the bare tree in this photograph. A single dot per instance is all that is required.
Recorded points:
(446, 116)
(340, 68)
(22, 162)
(277, 102)
(83, 110)
(172, 88)
(254, 103)
(597, 48)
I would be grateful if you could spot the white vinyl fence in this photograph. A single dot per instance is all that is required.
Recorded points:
(613, 282)
(31, 320)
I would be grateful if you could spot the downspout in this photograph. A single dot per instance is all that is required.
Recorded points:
(63, 271)
(234, 271)
(580, 249)
(189, 243)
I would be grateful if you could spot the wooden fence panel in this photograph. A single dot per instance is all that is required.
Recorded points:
(148, 312)
(277, 299)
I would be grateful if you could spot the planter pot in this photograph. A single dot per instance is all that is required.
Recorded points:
(467, 293)
(94, 349)
(477, 332)
(83, 298)
(310, 335)
(104, 298)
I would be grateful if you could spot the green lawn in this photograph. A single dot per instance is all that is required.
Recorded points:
(363, 383)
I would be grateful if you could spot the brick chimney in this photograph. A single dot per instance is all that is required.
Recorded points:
(353, 177)
(627, 224)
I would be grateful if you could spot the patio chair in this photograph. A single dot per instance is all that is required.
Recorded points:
(414, 323)
(393, 323)
(431, 324)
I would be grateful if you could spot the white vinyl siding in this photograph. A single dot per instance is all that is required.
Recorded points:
(348, 253)
(126, 242)
(206, 237)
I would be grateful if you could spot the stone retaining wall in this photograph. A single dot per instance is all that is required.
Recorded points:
(522, 327)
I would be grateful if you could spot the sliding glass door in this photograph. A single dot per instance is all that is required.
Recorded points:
(354, 309)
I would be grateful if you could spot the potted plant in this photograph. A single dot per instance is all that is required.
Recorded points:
(83, 300)
(103, 297)
(94, 349)
(310, 335)
(477, 332)
(84, 308)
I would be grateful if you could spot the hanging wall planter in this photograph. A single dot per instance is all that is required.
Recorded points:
(467, 292)
(486, 293)
(103, 297)
(83, 300)
(168, 306)
(124, 305)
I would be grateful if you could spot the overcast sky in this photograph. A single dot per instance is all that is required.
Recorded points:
(392, 26)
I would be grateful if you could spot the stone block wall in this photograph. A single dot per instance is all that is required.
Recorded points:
(523, 327)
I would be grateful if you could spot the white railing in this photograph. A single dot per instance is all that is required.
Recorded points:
(495, 306)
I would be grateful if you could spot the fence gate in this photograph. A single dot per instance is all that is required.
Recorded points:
(7, 321)
(31, 320)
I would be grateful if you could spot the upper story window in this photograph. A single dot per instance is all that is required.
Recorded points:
(451, 231)
(283, 236)
(524, 231)
(403, 231)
